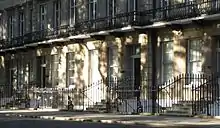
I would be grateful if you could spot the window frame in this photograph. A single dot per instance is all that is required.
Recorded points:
(167, 62)
(92, 9)
(112, 63)
(198, 58)
(43, 16)
(21, 23)
(70, 60)
(11, 26)
(1, 26)
(56, 13)
(73, 12)
(55, 70)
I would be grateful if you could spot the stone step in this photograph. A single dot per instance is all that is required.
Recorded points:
(98, 106)
(184, 106)
(94, 109)
(178, 110)
(176, 114)
(181, 110)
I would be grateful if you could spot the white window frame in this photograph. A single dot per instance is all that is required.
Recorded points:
(55, 70)
(199, 58)
(48, 75)
(68, 69)
(112, 65)
(1, 27)
(113, 8)
(21, 23)
(131, 5)
(43, 16)
(57, 13)
(73, 12)
(163, 62)
(13, 72)
(11, 26)
(21, 71)
(92, 9)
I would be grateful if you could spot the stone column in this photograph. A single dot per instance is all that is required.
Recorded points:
(206, 50)
(179, 66)
(119, 41)
(179, 49)
(2, 70)
(103, 59)
(143, 40)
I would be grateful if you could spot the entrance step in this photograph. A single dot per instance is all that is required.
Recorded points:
(179, 109)
(98, 107)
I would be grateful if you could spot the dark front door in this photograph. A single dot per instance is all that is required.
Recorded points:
(137, 82)
(137, 74)
(41, 70)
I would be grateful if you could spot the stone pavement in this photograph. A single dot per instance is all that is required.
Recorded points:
(156, 121)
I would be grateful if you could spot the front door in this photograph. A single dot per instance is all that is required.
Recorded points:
(137, 80)
(137, 75)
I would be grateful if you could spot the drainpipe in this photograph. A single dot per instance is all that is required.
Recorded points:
(153, 41)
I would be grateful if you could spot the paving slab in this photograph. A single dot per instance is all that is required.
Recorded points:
(157, 121)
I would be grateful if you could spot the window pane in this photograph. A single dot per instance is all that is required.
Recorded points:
(72, 2)
(168, 71)
(70, 68)
(168, 57)
(195, 67)
(71, 65)
(195, 56)
(167, 60)
(70, 56)
(71, 81)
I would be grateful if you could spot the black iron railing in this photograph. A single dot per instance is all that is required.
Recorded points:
(199, 92)
(116, 94)
(139, 18)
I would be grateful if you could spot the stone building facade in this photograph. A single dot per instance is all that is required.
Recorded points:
(63, 43)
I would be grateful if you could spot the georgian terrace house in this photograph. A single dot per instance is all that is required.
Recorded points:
(161, 56)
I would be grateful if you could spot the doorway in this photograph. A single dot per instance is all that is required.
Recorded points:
(137, 80)
(41, 72)
(136, 72)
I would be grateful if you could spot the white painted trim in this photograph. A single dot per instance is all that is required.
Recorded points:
(81, 36)
(58, 40)
(34, 44)
(44, 42)
(100, 33)
(136, 56)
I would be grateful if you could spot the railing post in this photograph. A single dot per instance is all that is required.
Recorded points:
(108, 95)
(83, 93)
